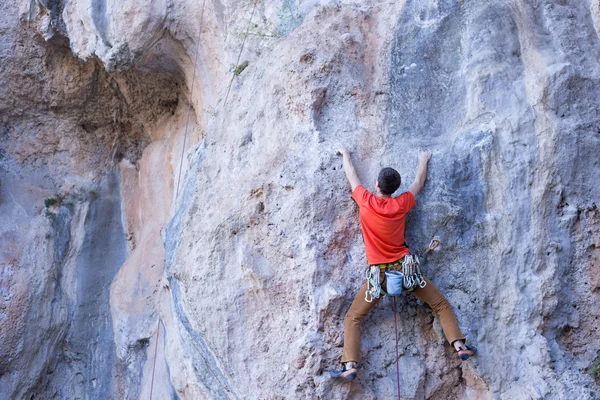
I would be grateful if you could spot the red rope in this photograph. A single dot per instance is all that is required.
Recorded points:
(397, 357)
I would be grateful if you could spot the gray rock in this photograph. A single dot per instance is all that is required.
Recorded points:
(204, 244)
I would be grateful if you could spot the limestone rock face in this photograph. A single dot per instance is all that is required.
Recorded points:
(175, 223)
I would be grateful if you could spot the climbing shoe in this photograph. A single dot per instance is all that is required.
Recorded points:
(345, 374)
(467, 352)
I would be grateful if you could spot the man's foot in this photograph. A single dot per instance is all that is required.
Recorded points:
(466, 351)
(348, 372)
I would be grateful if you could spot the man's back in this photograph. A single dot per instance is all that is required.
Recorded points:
(382, 221)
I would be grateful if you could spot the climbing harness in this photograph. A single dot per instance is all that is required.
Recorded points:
(408, 278)
(393, 277)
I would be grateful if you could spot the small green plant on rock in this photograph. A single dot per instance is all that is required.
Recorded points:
(261, 29)
(50, 202)
(289, 18)
(240, 68)
(595, 368)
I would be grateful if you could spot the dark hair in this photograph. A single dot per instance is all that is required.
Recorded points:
(389, 180)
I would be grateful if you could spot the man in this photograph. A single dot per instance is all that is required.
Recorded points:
(382, 220)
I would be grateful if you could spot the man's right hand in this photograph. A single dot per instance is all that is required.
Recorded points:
(424, 156)
(421, 175)
(341, 150)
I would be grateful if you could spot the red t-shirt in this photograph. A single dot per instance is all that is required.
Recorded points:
(382, 222)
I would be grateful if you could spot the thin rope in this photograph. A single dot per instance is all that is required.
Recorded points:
(187, 119)
(241, 49)
(397, 357)
(155, 352)
(187, 122)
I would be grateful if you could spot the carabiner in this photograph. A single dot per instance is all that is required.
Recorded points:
(433, 244)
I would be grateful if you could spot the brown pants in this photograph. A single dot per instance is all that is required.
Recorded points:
(360, 308)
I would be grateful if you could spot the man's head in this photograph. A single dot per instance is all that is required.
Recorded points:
(388, 181)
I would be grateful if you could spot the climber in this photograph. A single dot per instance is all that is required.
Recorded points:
(382, 221)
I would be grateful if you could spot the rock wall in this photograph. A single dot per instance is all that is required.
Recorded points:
(160, 245)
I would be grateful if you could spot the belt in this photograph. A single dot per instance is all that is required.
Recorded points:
(391, 265)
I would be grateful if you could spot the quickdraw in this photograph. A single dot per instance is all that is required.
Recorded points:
(411, 268)
(373, 284)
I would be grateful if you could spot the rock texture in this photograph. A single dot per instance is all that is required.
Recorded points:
(160, 245)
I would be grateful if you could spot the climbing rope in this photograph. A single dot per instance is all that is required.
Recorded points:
(413, 278)
(397, 356)
(187, 121)
(154, 363)
(187, 118)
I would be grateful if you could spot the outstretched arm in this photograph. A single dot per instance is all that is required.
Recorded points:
(419, 182)
(351, 174)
